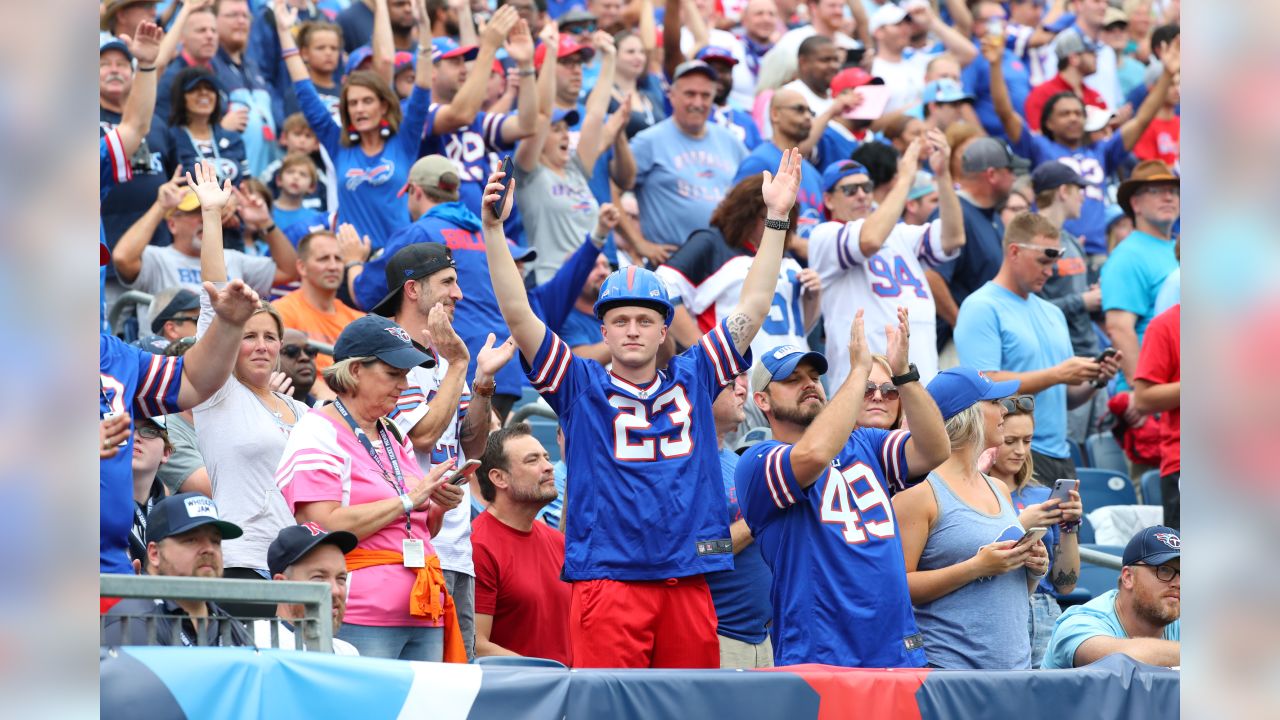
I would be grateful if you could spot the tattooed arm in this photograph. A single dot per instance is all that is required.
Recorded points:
(757, 290)
(1066, 563)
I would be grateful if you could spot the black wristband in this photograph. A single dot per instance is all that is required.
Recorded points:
(147, 69)
(777, 224)
(911, 375)
(269, 229)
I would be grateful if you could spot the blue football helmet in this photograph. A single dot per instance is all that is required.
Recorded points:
(634, 286)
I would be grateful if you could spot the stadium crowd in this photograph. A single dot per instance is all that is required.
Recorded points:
(824, 295)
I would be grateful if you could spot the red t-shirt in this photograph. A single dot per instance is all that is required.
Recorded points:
(1160, 362)
(518, 583)
(1041, 93)
(1161, 141)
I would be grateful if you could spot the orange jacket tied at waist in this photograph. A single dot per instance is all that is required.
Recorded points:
(424, 599)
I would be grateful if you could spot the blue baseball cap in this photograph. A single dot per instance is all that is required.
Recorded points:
(570, 116)
(711, 52)
(443, 48)
(780, 362)
(1155, 545)
(946, 90)
(959, 388)
(841, 169)
(358, 57)
(522, 252)
(180, 513)
(376, 336)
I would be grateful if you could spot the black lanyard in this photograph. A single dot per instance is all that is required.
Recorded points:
(398, 482)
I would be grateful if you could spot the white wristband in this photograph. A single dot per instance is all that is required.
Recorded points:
(408, 504)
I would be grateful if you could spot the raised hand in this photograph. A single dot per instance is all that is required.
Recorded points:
(550, 35)
(170, 194)
(898, 343)
(286, 16)
(859, 353)
(254, 212)
(492, 191)
(281, 383)
(491, 359)
(909, 163)
(111, 432)
(519, 44)
(940, 153)
(354, 247)
(992, 47)
(145, 43)
(603, 43)
(617, 121)
(810, 282)
(1172, 57)
(496, 30)
(608, 218)
(779, 191)
(212, 196)
(444, 338)
(235, 303)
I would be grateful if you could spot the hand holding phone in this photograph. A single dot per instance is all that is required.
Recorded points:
(464, 473)
(1030, 538)
(508, 169)
(1103, 357)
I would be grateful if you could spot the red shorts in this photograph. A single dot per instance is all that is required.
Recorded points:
(661, 624)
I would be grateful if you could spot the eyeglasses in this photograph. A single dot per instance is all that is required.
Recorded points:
(1164, 573)
(293, 351)
(148, 432)
(578, 29)
(888, 391)
(1019, 404)
(851, 189)
(573, 61)
(1049, 252)
(1170, 190)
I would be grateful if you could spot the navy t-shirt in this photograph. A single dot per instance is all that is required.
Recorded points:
(979, 260)
(126, 202)
(741, 595)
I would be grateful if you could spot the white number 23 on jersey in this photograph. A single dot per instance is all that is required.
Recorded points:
(634, 416)
(837, 508)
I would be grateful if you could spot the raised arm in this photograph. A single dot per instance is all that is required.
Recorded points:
(756, 296)
(647, 29)
(876, 228)
(961, 17)
(466, 24)
(928, 445)
(671, 55)
(520, 48)
(508, 286)
(530, 149)
(383, 43)
(461, 111)
(135, 121)
(993, 50)
(443, 406)
(286, 17)
(1132, 131)
(592, 141)
(697, 26)
(949, 210)
(622, 168)
(213, 264)
(957, 43)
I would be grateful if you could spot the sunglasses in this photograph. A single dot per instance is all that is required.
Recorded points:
(1051, 253)
(149, 432)
(852, 189)
(183, 318)
(579, 28)
(1019, 404)
(888, 391)
(293, 351)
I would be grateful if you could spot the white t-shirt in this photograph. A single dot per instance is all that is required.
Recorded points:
(904, 78)
(165, 267)
(877, 285)
(262, 638)
(453, 542)
(817, 103)
(779, 65)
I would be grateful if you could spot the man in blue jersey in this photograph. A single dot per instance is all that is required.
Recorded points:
(646, 517)
(132, 380)
(816, 498)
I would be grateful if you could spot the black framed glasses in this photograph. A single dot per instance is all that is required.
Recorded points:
(1164, 573)
(888, 391)
(293, 351)
(851, 189)
(1049, 252)
(1019, 404)
(148, 432)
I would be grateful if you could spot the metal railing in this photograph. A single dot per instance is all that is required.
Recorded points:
(536, 408)
(314, 630)
(1099, 558)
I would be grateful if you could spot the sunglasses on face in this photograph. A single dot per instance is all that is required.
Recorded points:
(293, 351)
(148, 432)
(1019, 404)
(1049, 252)
(888, 391)
(852, 189)
(183, 318)
(579, 29)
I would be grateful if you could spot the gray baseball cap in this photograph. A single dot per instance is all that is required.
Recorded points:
(988, 152)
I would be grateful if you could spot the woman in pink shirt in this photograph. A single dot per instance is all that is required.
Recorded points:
(346, 468)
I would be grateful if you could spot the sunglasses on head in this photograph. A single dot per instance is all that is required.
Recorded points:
(851, 189)
(1049, 252)
(888, 391)
(1019, 404)
(293, 351)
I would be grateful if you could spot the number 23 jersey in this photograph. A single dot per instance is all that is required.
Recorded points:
(644, 497)
(840, 584)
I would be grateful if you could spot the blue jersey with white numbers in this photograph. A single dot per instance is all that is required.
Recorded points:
(840, 584)
(647, 500)
(477, 150)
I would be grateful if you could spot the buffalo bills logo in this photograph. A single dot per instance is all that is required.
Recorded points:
(400, 333)
(580, 207)
(376, 175)
(784, 351)
(1173, 541)
(706, 174)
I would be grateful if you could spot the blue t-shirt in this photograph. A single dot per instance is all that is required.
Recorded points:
(648, 501)
(1095, 163)
(833, 147)
(680, 179)
(976, 78)
(302, 216)
(997, 330)
(1034, 495)
(741, 595)
(979, 260)
(368, 186)
(1133, 275)
(477, 314)
(1081, 622)
(131, 381)
(581, 329)
(741, 124)
(766, 156)
(840, 596)
(129, 200)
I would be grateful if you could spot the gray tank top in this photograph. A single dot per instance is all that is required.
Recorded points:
(983, 625)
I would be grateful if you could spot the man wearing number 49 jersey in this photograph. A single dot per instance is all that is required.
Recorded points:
(646, 517)
(872, 261)
(816, 498)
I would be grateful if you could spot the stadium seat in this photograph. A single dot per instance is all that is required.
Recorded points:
(1086, 531)
(545, 430)
(1151, 488)
(515, 661)
(1105, 453)
(1077, 457)
(1099, 488)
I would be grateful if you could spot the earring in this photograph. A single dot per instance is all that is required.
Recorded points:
(352, 135)
(385, 129)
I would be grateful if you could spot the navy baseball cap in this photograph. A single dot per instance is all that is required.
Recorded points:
(841, 169)
(376, 336)
(295, 541)
(183, 300)
(1155, 545)
(180, 513)
(780, 362)
(411, 262)
(957, 389)
(1053, 175)
(712, 52)
(521, 253)
(196, 79)
(110, 42)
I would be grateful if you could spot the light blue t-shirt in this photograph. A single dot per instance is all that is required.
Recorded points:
(1170, 292)
(681, 179)
(1133, 276)
(997, 330)
(1081, 622)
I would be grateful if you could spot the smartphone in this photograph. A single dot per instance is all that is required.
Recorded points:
(509, 169)
(464, 473)
(1061, 487)
(1102, 357)
(1031, 537)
